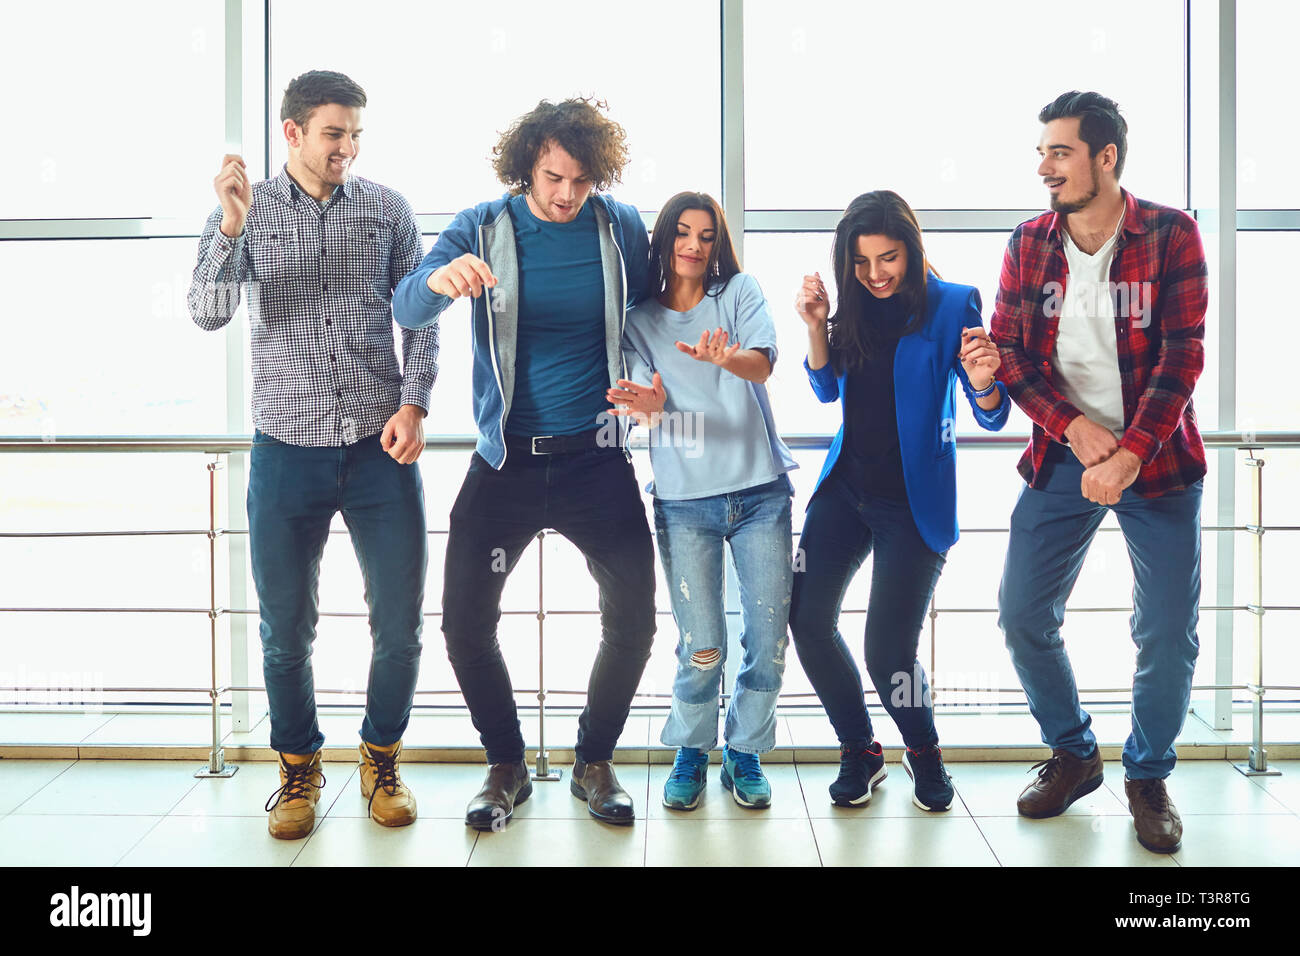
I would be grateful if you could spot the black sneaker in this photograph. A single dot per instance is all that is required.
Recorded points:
(931, 785)
(861, 770)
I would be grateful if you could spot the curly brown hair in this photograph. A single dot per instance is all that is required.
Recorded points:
(578, 126)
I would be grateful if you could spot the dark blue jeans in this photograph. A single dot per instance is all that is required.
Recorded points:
(591, 498)
(293, 494)
(841, 527)
(1051, 529)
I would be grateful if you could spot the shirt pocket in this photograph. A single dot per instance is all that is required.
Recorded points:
(273, 251)
(368, 244)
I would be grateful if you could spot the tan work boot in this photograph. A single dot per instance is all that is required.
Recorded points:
(292, 808)
(391, 802)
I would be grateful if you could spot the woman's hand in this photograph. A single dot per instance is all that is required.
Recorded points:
(812, 303)
(644, 403)
(979, 357)
(711, 348)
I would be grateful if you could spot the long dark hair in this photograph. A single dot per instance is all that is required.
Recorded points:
(853, 337)
(722, 264)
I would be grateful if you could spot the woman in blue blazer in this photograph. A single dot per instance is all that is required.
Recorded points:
(893, 351)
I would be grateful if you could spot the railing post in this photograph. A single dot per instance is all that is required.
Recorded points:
(217, 766)
(543, 770)
(1257, 766)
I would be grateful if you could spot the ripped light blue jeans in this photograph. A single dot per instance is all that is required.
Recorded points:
(692, 536)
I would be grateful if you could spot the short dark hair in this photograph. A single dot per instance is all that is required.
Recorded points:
(316, 88)
(578, 127)
(723, 263)
(1099, 122)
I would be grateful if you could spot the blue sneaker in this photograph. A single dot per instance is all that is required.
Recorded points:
(931, 785)
(742, 775)
(686, 782)
(861, 770)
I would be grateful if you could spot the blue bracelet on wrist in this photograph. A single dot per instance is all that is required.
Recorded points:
(985, 393)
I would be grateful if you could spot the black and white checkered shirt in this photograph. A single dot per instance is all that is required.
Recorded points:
(320, 280)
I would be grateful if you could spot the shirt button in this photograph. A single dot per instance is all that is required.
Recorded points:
(338, 393)
(326, 286)
(327, 321)
(333, 359)
(1047, 365)
(322, 250)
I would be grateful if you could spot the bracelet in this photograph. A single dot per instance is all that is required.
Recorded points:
(985, 393)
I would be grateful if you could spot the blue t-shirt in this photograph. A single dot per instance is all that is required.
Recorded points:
(561, 372)
(717, 434)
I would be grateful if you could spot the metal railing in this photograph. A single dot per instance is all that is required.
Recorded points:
(221, 446)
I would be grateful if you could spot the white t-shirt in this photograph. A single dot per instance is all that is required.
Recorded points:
(1085, 358)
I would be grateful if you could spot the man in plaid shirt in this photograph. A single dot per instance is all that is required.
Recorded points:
(1100, 322)
(338, 425)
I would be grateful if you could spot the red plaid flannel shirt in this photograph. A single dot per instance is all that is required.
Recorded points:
(1159, 333)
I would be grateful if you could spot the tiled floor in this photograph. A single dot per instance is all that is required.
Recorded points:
(154, 812)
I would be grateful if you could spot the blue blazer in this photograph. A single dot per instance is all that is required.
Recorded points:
(926, 370)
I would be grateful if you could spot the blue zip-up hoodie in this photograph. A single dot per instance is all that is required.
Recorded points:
(926, 369)
(487, 231)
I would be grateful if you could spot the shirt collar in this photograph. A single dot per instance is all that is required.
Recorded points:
(1132, 219)
(288, 190)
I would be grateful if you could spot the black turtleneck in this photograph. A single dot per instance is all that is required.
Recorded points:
(870, 461)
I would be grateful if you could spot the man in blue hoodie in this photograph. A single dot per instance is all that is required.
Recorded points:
(552, 268)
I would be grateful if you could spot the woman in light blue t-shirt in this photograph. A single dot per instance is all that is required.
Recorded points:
(705, 344)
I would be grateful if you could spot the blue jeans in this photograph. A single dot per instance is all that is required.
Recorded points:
(692, 537)
(1051, 529)
(840, 529)
(293, 494)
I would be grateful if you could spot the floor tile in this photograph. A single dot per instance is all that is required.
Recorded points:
(901, 841)
(991, 789)
(1208, 786)
(1284, 788)
(72, 840)
(201, 840)
(245, 794)
(19, 779)
(717, 803)
(891, 798)
(443, 791)
(1068, 840)
(701, 841)
(146, 787)
(1240, 839)
(348, 841)
(561, 843)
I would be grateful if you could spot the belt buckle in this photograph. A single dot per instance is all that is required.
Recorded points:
(533, 444)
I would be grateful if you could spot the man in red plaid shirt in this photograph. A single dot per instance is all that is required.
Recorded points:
(1100, 322)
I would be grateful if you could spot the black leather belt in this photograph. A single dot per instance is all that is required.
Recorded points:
(554, 444)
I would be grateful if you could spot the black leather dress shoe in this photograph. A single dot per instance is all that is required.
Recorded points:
(606, 800)
(506, 786)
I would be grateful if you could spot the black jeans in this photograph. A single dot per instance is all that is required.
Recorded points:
(840, 529)
(591, 498)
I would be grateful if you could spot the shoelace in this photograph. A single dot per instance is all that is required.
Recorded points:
(685, 768)
(297, 778)
(385, 773)
(1051, 767)
(1153, 794)
(929, 761)
(747, 767)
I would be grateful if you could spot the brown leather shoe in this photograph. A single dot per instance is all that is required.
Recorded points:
(507, 785)
(291, 810)
(1159, 827)
(606, 800)
(1063, 779)
(391, 802)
